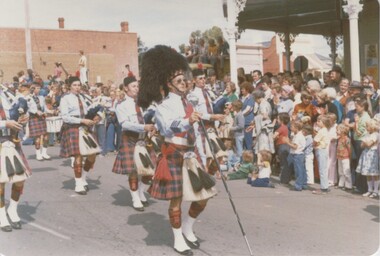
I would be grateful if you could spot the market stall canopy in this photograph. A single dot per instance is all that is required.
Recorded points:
(321, 17)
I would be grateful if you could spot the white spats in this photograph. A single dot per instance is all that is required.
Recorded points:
(3, 218)
(142, 189)
(44, 154)
(79, 186)
(179, 242)
(12, 211)
(136, 199)
(39, 155)
(187, 229)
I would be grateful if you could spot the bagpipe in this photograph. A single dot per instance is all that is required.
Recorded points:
(12, 164)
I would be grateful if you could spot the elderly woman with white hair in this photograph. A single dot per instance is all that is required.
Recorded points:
(332, 94)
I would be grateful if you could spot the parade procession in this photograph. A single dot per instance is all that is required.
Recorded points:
(219, 146)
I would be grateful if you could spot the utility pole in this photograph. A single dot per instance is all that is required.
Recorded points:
(28, 43)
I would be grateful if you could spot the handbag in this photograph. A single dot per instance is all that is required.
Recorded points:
(12, 168)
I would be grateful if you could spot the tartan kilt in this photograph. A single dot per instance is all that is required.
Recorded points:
(171, 189)
(37, 126)
(69, 140)
(18, 147)
(124, 162)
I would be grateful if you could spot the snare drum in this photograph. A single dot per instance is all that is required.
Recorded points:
(53, 124)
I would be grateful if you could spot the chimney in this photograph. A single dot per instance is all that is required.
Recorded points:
(61, 23)
(124, 26)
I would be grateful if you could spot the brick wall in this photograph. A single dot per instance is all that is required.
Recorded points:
(106, 52)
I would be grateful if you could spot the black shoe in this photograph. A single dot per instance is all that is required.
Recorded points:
(185, 252)
(192, 245)
(16, 225)
(83, 193)
(145, 203)
(139, 209)
(6, 229)
(86, 188)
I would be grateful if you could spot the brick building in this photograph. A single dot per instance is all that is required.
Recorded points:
(107, 52)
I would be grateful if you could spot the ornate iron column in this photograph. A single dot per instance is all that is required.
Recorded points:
(287, 39)
(334, 42)
(352, 8)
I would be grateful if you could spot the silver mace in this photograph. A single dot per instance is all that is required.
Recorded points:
(193, 99)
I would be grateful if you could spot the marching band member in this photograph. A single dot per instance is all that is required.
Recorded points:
(37, 122)
(75, 116)
(14, 166)
(130, 118)
(174, 118)
(204, 106)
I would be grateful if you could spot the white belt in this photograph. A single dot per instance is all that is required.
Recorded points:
(177, 141)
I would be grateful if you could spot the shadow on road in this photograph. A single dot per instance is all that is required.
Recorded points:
(374, 210)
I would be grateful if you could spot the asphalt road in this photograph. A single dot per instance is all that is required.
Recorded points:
(57, 221)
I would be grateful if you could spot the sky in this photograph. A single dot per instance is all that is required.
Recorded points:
(167, 22)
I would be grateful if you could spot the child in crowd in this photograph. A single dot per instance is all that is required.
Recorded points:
(261, 178)
(331, 160)
(244, 168)
(296, 155)
(321, 141)
(280, 136)
(369, 159)
(264, 132)
(238, 127)
(307, 131)
(343, 154)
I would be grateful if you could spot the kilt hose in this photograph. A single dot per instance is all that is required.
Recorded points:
(166, 190)
(18, 148)
(37, 126)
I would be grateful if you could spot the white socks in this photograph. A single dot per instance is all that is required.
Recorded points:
(136, 199)
(142, 188)
(44, 154)
(179, 242)
(3, 217)
(187, 229)
(12, 211)
(370, 185)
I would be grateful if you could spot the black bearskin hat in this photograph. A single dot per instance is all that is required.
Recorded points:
(158, 65)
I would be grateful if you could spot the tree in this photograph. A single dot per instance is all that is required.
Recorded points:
(212, 33)
(141, 46)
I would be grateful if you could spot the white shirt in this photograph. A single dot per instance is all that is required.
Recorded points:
(170, 116)
(300, 141)
(70, 110)
(7, 106)
(32, 105)
(201, 107)
(127, 115)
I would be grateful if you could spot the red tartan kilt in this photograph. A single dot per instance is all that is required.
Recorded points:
(23, 157)
(124, 163)
(69, 142)
(37, 126)
(171, 189)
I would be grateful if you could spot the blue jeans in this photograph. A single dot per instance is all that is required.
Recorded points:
(248, 140)
(283, 152)
(298, 161)
(321, 154)
(110, 138)
(100, 131)
(239, 146)
(260, 182)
